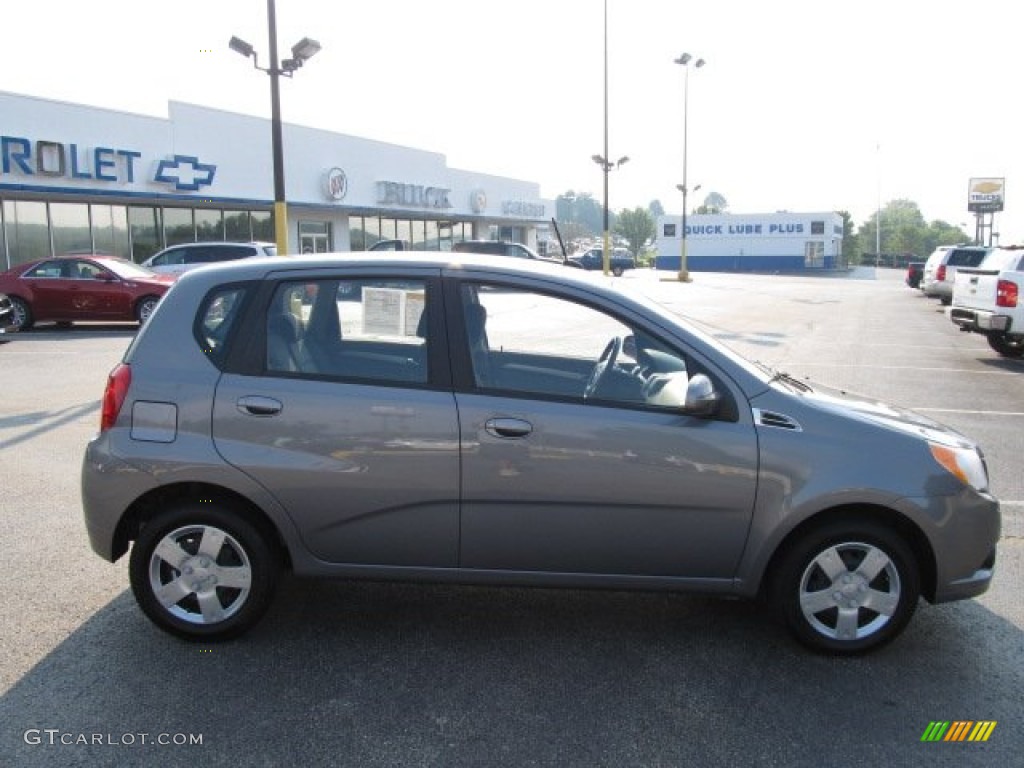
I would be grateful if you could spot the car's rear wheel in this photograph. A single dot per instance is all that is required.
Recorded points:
(145, 308)
(847, 587)
(202, 572)
(1007, 346)
(22, 313)
(617, 271)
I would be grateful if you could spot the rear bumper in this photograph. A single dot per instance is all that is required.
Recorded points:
(979, 320)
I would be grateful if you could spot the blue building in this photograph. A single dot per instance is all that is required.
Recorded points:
(769, 242)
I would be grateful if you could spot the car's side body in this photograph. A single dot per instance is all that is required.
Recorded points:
(76, 288)
(545, 471)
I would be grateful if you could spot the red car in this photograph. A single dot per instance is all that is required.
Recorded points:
(93, 287)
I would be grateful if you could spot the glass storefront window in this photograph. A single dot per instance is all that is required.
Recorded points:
(179, 227)
(263, 226)
(144, 226)
(356, 234)
(388, 229)
(28, 233)
(209, 225)
(110, 230)
(404, 231)
(69, 225)
(431, 238)
(236, 226)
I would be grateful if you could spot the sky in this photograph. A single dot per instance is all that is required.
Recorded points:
(802, 105)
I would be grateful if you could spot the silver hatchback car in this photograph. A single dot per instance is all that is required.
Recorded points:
(472, 420)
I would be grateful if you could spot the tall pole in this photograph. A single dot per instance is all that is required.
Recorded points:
(684, 60)
(280, 206)
(605, 253)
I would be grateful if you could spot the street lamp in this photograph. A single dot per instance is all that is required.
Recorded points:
(684, 60)
(682, 188)
(302, 52)
(607, 166)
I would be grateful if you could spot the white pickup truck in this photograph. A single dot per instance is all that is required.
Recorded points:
(989, 299)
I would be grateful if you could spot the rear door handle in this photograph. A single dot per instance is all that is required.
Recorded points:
(255, 405)
(506, 427)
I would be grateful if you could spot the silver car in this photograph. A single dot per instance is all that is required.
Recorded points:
(472, 420)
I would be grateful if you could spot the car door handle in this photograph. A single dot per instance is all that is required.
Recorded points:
(505, 427)
(255, 405)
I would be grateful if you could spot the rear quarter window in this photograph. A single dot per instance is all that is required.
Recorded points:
(217, 316)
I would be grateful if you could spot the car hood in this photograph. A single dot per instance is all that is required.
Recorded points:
(866, 409)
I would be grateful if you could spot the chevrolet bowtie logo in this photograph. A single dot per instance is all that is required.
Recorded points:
(185, 173)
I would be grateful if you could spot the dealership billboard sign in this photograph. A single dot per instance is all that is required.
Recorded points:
(985, 195)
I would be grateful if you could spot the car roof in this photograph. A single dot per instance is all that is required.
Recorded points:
(367, 261)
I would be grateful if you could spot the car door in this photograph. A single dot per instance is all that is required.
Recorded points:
(96, 293)
(556, 479)
(50, 288)
(348, 418)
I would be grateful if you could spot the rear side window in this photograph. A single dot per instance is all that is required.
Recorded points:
(216, 318)
(365, 329)
(965, 258)
(210, 254)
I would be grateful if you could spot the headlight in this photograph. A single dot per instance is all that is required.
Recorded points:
(964, 463)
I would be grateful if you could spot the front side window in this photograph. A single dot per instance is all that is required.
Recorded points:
(536, 344)
(363, 329)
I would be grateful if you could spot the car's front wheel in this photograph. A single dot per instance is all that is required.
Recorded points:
(847, 587)
(202, 572)
(1007, 346)
(22, 313)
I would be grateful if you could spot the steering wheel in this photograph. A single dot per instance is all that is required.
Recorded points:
(604, 364)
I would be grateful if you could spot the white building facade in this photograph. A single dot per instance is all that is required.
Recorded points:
(771, 242)
(80, 178)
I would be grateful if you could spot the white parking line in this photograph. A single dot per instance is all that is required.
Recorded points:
(968, 413)
(900, 368)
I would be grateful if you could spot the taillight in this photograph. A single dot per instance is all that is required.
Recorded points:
(940, 274)
(113, 396)
(1006, 293)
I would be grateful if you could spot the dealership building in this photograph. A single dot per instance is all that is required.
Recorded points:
(80, 178)
(771, 242)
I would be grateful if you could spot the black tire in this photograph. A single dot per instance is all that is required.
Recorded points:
(1007, 346)
(617, 271)
(878, 604)
(221, 593)
(145, 308)
(22, 313)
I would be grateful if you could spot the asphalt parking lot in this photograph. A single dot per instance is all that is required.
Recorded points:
(367, 674)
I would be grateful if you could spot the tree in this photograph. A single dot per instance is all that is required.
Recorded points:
(656, 209)
(904, 233)
(579, 212)
(637, 227)
(713, 203)
(851, 241)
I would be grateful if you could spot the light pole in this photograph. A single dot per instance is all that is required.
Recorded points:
(682, 188)
(607, 166)
(302, 52)
(684, 60)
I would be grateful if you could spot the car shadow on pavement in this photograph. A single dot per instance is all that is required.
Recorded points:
(368, 674)
(43, 422)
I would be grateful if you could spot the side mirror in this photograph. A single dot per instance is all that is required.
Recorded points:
(701, 398)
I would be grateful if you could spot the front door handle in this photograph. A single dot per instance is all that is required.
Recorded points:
(254, 405)
(506, 427)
